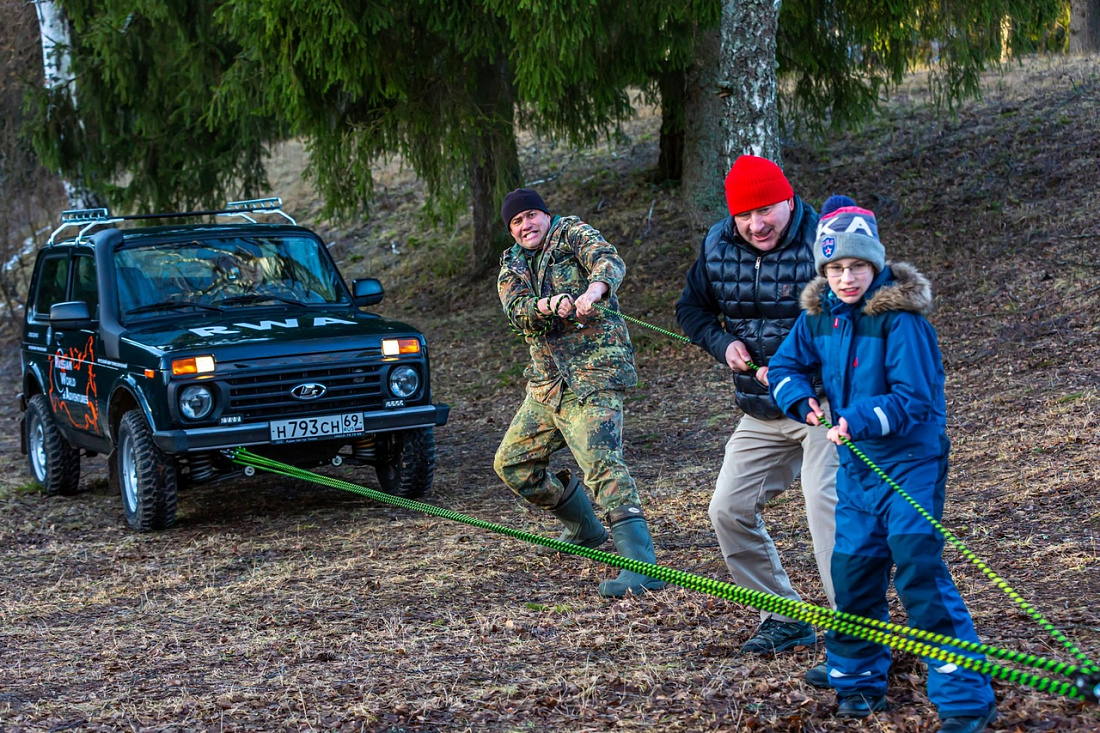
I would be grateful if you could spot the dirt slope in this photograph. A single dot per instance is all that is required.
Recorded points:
(280, 606)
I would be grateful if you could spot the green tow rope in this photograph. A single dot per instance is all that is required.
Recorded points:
(1088, 675)
(1088, 680)
(1088, 665)
(891, 635)
(658, 329)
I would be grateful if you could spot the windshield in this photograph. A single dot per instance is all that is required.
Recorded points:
(219, 274)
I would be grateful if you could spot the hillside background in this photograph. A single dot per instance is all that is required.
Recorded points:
(279, 605)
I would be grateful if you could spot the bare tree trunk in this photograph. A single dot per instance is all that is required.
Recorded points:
(1084, 26)
(670, 162)
(748, 77)
(57, 68)
(704, 145)
(494, 167)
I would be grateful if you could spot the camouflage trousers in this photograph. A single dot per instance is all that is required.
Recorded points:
(593, 432)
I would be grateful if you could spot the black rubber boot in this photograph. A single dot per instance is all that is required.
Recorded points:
(582, 527)
(632, 540)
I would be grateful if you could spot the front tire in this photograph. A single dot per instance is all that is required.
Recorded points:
(53, 463)
(406, 462)
(147, 477)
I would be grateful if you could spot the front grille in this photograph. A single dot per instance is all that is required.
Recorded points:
(267, 396)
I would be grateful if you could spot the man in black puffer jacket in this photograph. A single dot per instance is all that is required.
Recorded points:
(750, 271)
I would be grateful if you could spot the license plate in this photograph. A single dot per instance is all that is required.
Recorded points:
(309, 428)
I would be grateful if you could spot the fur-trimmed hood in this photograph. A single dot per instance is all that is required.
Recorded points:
(902, 288)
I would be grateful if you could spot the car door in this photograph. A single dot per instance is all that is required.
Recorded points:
(49, 286)
(72, 379)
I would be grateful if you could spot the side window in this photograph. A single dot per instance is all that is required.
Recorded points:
(51, 285)
(84, 284)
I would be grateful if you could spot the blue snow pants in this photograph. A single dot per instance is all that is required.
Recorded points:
(877, 529)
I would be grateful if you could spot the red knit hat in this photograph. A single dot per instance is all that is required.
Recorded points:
(755, 182)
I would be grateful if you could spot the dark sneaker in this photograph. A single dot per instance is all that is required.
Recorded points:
(778, 636)
(818, 677)
(860, 706)
(964, 724)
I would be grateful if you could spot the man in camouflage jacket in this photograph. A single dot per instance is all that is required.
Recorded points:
(581, 363)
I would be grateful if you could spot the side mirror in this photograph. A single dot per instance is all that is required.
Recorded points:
(70, 316)
(367, 291)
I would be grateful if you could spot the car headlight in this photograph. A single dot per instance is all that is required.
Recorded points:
(404, 381)
(196, 401)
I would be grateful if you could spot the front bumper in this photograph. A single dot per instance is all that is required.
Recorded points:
(189, 440)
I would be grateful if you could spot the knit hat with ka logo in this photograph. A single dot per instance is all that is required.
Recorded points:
(846, 230)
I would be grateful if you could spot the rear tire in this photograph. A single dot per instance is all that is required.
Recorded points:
(406, 462)
(53, 463)
(147, 477)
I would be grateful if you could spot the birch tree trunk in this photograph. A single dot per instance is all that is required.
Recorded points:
(1084, 26)
(731, 104)
(55, 45)
(57, 67)
(748, 79)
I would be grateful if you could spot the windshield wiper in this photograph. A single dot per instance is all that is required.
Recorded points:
(171, 305)
(258, 298)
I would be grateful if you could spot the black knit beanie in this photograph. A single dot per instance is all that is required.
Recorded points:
(520, 200)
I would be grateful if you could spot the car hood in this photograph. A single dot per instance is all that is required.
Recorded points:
(258, 332)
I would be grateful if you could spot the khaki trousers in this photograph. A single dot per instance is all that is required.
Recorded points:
(762, 459)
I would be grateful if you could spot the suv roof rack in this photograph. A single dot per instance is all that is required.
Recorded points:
(89, 219)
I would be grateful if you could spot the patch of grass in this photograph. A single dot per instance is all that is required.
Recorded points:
(25, 489)
(722, 418)
(646, 344)
(99, 486)
(512, 374)
(448, 259)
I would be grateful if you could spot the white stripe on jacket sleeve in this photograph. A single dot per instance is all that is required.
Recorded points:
(883, 421)
(781, 385)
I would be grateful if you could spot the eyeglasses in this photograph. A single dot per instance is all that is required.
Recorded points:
(856, 268)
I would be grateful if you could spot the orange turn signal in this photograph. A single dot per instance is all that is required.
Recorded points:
(394, 347)
(193, 365)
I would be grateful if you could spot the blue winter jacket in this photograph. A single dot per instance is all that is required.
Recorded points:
(879, 360)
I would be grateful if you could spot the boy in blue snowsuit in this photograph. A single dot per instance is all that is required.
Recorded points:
(863, 325)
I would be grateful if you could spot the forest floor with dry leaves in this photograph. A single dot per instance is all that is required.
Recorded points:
(279, 605)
